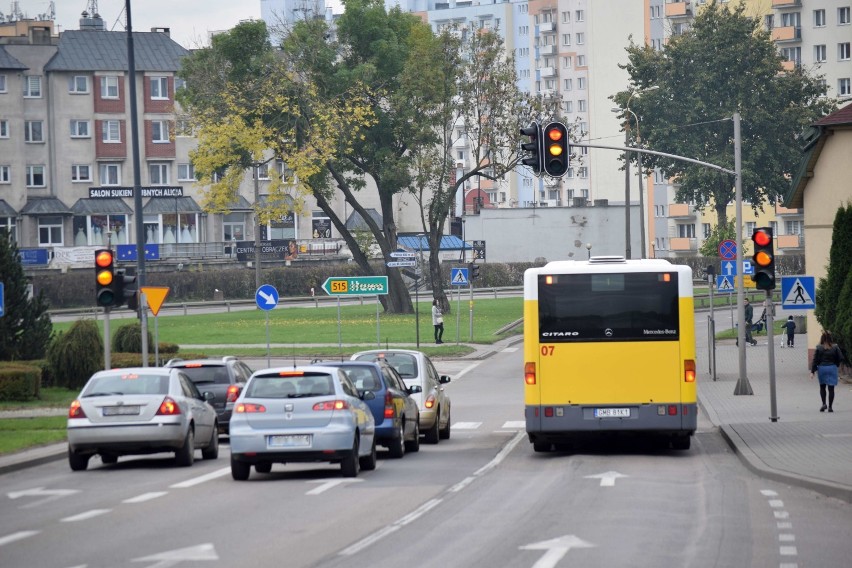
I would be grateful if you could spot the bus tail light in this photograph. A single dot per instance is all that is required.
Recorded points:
(689, 371)
(529, 373)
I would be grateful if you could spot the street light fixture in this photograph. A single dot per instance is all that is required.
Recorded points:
(589, 248)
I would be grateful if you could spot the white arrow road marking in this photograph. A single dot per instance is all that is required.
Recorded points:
(270, 299)
(16, 536)
(326, 485)
(86, 515)
(47, 494)
(202, 479)
(607, 479)
(175, 557)
(556, 548)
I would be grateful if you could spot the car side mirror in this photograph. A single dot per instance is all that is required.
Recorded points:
(368, 395)
(208, 396)
(445, 379)
(414, 389)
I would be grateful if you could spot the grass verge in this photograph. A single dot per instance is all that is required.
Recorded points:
(21, 433)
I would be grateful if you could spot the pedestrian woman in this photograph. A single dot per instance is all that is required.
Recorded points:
(790, 327)
(438, 322)
(827, 358)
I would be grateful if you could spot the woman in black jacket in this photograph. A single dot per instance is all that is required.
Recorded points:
(827, 358)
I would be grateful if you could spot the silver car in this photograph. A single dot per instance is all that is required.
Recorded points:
(141, 410)
(416, 368)
(301, 414)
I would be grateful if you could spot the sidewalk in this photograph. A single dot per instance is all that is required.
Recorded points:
(803, 447)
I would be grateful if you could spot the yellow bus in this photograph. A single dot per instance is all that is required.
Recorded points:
(609, 345)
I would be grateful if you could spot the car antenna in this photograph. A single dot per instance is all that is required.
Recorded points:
(294, 355)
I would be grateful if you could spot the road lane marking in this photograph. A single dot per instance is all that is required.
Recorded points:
(466, 425)
(146, 497)
(201, 479)
(509, 349)
(510, 445)
(328, 484)
(515, 425)
(17, 536)
(607, 479)
(86, 515)
(464, 371)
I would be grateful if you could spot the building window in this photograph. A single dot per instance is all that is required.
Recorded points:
(111, 131)
(110, 174)
(566, 39)
(791, 19)
(160, 88)
(581, 38)
(581, 61)
(843, 51)
(567, 84)
(78, 84)
(4, 128)
(183, 127)
(793, 227)
(686, 231)
(186, 172)
(80, 129)
(583, 172)
(50, 231)
(581, 83)
(5, 174)
(160, 131)
(569, 106)
(32, 86)
(820, 53)
(567, 62)
(33, 131)
(109, 87)
(819, 18)
(581, 105)
(35, 176)
(579, 16)
(2, 83)
(705, 229)
(843, 16)
(750, 226)
(843, 87)
(81, 172)
(158, 173)
(566, 17)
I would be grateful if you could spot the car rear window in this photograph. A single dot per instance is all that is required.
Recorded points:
(300, 386)
(363, 378)
(405, 364)
(216, 374)
(127, 383)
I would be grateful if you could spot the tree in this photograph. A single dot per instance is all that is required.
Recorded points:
(719, 233)
(724, 63)
(25, 326)
(833, 300)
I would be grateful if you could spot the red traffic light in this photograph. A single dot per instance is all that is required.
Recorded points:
(556, 149)
(761, 238)
(763, 258)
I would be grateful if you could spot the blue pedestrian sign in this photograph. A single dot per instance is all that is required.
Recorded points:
(2, 300)
(458, 277)
(266, 297)
(725, 284)
(798, 293)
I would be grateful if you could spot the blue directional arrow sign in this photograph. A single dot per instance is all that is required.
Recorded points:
(729, 268)
(458, 277)
(266, 297)
(725, 284)
(798, 293)
(2, 300)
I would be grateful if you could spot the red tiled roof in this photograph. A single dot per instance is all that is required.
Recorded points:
(842, 116)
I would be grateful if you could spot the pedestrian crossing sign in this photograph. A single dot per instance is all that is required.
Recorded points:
(725, 284)
(798, 293)
(458, 277)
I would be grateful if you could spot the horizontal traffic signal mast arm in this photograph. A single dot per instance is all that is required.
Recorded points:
(655, 153)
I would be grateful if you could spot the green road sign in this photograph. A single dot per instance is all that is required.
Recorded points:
(359, 286)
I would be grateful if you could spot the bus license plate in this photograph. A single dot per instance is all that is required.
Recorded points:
(612, 413)
(289, 441)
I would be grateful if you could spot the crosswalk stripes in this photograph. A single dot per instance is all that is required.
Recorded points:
(509, 425)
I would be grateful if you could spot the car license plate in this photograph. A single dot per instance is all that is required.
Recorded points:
(121, 411)
(612, 413)
(289, 441)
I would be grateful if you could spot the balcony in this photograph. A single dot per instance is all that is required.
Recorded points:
(789, 65)
(786, 3)
(547, 50)
(679, 10)
(787, 34)
(547, 71)
(547, 27)
(790, 242)
(781, 210)
(683, 244)
(682, 211)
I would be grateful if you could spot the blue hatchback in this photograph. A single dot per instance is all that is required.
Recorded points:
(395, 412)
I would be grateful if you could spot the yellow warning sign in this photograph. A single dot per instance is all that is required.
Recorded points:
(747, 281)
(155, 296)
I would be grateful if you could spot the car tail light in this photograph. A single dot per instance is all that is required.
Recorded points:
(76, 410)
(529, 373)
(168, 407)
(249, 408)
(390, 411)
(689, 371)
(233, 393)
(332, 405)
(430, 401)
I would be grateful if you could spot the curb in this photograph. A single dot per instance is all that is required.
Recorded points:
(32, 457)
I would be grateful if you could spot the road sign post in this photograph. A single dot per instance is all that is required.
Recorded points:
(2, 300)
(154, 298)
(357, 286)
(266, 298)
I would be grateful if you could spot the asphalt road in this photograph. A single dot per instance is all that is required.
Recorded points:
(482, 498)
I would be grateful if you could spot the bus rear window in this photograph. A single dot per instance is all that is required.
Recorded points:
(633, 306)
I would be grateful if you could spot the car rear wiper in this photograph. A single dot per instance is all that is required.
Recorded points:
(103, 394)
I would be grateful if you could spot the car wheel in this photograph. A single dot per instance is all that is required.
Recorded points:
(109, 459)
(397, 444)
(349, 465)
(211, 452)
(542, 446)
(78, 462)
(681, 442)
(444, 433)
(432, 434)
(413, 445)
(186, 455)
(368, 462)
(239, 470)
(263, 467)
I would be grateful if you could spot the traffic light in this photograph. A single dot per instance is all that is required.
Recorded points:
(105, 277)
(557, 154)
(126, 292)
(474, 271)
(763, 258)
(533, 147)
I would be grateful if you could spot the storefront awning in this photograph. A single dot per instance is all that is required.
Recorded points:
(45, 206)
(356, 222)
(421, 243)
(6, 209)
(167, 205)
(240, 204)
(88, 206)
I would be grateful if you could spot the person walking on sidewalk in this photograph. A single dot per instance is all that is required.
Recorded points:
(438, 322)
(749, 316)
(790, 327)
(827, 358)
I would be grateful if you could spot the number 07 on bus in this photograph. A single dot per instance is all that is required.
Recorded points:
(609, 345)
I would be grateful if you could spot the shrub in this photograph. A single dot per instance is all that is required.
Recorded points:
(128, 339)
(76, 355)
(19, 381)
(168, 348)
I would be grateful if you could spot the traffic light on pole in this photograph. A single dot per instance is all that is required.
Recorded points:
(105, 277)
(557, 154)
(474, 271)
(533, 147)
(126, 292)
(763, 258)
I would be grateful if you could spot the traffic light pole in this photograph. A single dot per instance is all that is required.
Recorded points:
(107, 350)
(770, 335)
